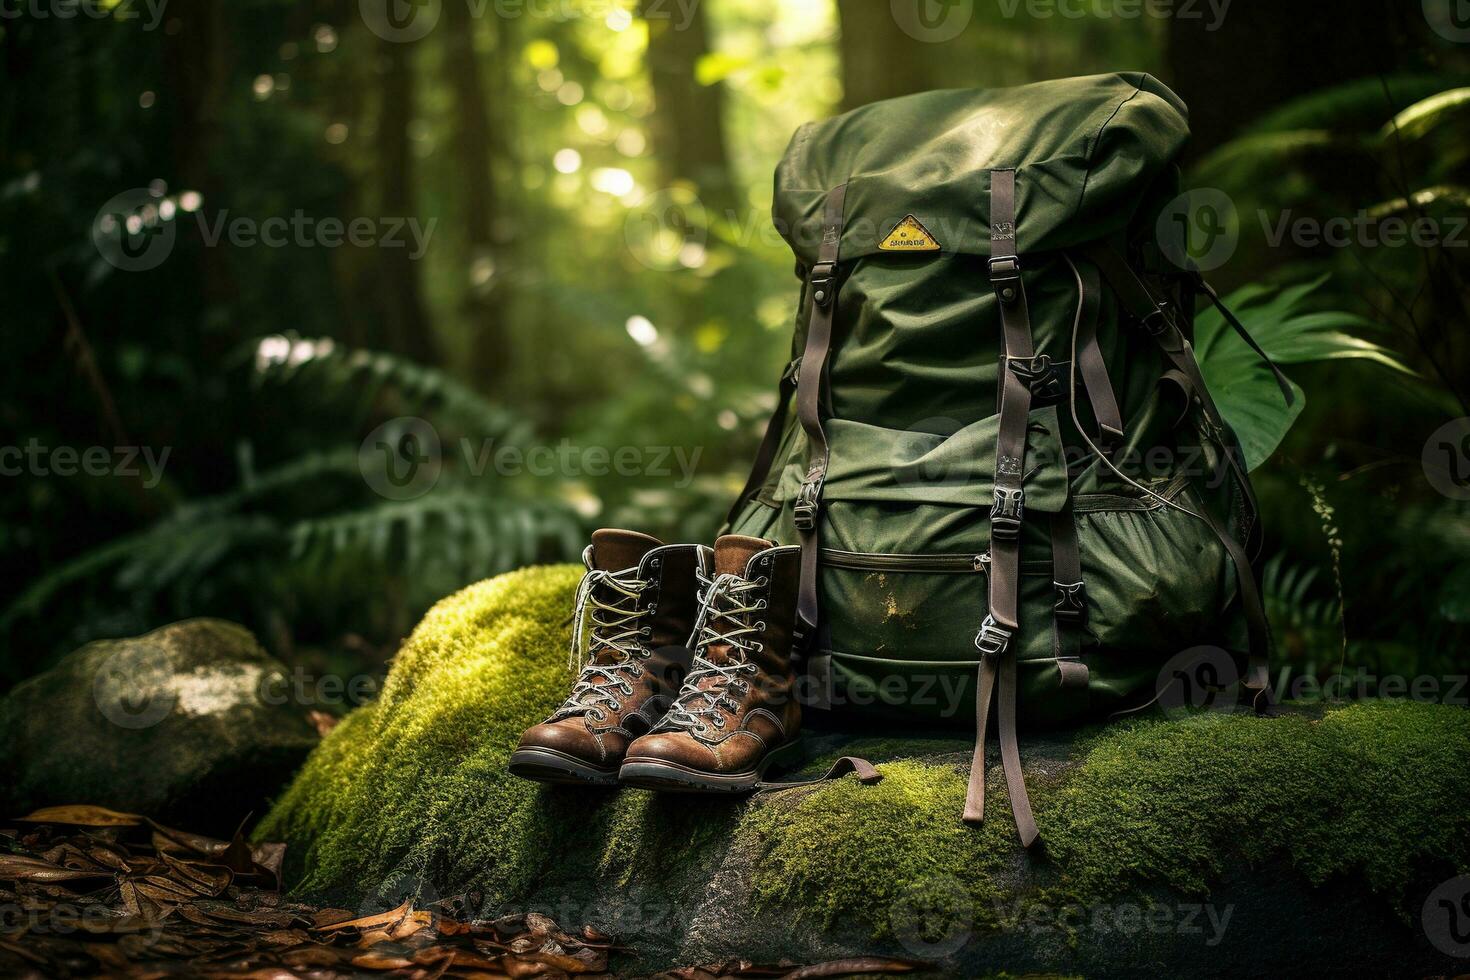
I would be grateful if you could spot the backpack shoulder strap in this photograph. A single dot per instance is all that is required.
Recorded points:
(1155, 318)
(997, 671)
(811, 379)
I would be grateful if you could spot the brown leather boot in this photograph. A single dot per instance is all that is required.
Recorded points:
(638, 602)
(737, 713)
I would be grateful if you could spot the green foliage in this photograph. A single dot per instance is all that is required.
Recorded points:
(1388, 151)
(311, 533)
(1371, 795)
(1282, 323)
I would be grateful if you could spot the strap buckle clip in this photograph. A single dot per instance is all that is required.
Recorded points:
(993, 639)
(1006, 513)
(1157, 322)
(1041, 375)
(1006, 268)
(1071, 604)
(824, 283)
(808, 502)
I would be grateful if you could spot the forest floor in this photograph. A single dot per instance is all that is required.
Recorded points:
(87, 891)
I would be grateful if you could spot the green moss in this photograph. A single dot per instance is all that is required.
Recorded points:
(1374, 794)
(851, 851)
(418, 780)
(1375, 789)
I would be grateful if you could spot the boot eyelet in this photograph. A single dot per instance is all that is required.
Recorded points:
(758, 648)
(646, 631)
(761, 625)
(760, 603)
(762, 582)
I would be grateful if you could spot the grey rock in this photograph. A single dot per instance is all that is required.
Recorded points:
(180, 724)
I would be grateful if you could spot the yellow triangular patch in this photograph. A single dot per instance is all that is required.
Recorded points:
(909, 236)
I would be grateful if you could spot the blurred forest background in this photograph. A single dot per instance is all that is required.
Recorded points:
(594, 266)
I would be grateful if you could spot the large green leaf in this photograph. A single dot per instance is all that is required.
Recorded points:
(1280, 322)
(1423, 116)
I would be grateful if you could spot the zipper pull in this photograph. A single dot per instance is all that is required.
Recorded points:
(982, 562)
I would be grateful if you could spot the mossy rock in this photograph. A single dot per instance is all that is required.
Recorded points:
(178, 724)
(1306, 842)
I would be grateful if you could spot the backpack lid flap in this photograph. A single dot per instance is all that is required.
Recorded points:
(1085, 149)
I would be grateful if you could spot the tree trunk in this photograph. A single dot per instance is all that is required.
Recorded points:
(197, 67)
(879, 60)
(481, 207)
(401, 301)
(688, 119)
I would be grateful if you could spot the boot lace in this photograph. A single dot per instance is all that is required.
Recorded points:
(615, 625)
(728, 599)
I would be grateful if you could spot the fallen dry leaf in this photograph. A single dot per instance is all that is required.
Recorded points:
(322, 721)
(371, 921)
(83, 816)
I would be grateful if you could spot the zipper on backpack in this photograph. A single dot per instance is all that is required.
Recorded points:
(875, 562)
(866, 561)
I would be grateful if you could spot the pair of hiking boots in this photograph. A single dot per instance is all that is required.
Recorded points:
(688, 684)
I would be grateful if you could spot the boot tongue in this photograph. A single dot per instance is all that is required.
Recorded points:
(734, 551)
(614, 550)
(732, 554)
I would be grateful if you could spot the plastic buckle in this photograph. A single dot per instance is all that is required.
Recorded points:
(804, 511)
(1041, 375)
(1157, 322)
(1006, 512)
(1071, 604)
(993, 639)
(824, 283)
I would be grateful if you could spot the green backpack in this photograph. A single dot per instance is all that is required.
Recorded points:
(1006, 475)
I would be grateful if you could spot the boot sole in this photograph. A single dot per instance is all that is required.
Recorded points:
(559, 768)
(671, 777)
